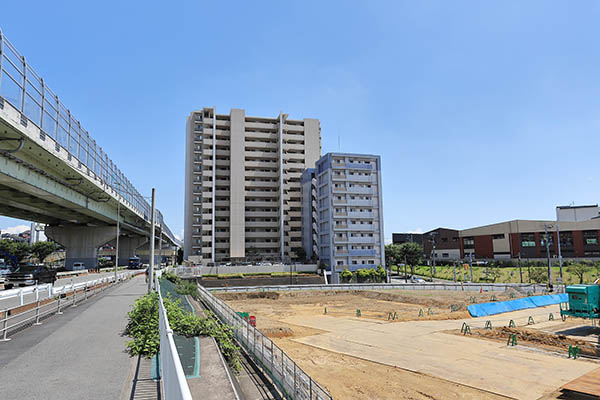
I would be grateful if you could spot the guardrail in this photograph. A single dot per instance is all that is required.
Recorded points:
(51, 290)
(291, 380)
(486, 287)
(58, 299)
(173, 378)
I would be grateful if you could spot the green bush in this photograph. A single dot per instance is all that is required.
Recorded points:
(143, 328)
(186, 288)
(345, 276)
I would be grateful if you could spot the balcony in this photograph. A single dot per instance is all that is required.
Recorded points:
(365, 203)
(362, 227)
(361, 239)
(357, 214)
(363, 253)
(336, 177)
(360, 190)
(360, 178)
(350, 165)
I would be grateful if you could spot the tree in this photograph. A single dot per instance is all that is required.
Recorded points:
(392, 255)
(411, 253)
(538, 274)
(180, 256)
(300, 253)
(579, 270)
(41, 250)
(20, 250)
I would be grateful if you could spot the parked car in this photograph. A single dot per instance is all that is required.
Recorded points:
(29, 274)
(5, 269)
(77, 266)
(416, 279)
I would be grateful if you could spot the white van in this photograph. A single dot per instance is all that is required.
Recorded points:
(78, 266)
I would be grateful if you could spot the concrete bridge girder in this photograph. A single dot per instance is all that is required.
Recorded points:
(81, 243)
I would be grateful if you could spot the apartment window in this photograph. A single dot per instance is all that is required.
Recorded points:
(340, 263)
(498, 236)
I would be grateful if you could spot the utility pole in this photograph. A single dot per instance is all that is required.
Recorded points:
(118, 234)
(560, 274)
(152, 225)
(548, 255)
(520, 270)
(471, 265)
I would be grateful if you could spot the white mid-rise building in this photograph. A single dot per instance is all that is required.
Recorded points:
(242, 185)
(349, 212)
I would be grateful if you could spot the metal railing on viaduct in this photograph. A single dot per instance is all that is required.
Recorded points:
(25, 90)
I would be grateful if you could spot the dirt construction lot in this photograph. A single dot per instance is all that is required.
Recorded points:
(412, 356)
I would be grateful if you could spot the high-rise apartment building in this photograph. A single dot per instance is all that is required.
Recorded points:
(242, 185)
(349, 212)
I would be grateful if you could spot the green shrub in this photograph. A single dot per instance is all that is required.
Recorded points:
(142, 326)
(186, 288)
(345, 276)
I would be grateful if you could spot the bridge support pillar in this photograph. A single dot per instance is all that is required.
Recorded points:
(128, 246)
(81, 243)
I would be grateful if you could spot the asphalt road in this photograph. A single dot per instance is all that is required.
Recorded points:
(28, 298)
(77, 355)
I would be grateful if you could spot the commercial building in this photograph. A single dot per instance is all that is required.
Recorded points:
(442, 243)
(526, 239)
(349, 212)
(577, 213)
(242, 185)
(400, 238)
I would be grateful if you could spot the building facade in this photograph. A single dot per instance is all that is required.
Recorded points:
(242, 185)
(310, 219)
(401, 238)
(447, 244)
(349, 212)
(577, 213)
(526, 239)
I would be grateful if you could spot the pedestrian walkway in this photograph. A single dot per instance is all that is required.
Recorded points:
(78, 355)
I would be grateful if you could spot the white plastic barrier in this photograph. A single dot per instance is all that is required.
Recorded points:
(48, 290)
(173, 378)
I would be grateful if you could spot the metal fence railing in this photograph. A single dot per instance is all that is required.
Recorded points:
(173, 378)
(30, 95)
(485, 287)
(291, 380)
(17, 317)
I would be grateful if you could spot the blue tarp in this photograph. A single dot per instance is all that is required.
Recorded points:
(483, 309)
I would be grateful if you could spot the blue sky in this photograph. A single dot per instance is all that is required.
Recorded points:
(481, 111)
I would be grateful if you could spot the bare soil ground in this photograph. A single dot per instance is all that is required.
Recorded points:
(348, 377)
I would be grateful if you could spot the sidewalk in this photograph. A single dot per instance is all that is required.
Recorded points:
(78, 355)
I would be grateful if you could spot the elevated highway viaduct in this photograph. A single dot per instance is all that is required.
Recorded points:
(53, 172)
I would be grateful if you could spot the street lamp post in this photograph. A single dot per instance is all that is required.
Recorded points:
(546, 226)
(560, 272)
(118, 234)
(152, 224)
(432, 268)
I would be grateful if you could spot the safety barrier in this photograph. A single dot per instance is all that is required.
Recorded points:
(173, 378)
(50, 290)
(15, 318)
(291, 380)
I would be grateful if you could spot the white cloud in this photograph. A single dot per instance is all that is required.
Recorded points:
(180, 236)
(15, 230)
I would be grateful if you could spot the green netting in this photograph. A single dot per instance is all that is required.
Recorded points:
(167, 289)
(187, 348)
